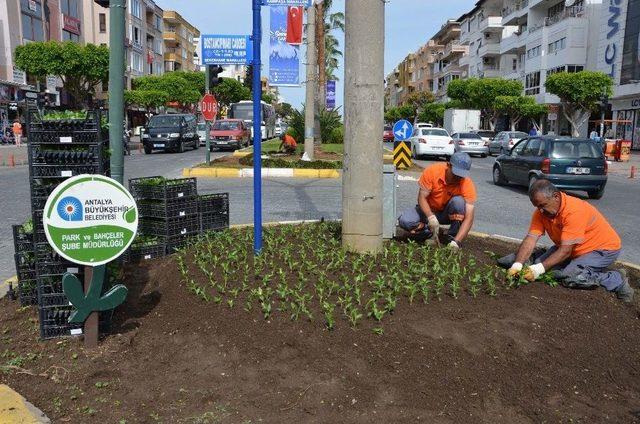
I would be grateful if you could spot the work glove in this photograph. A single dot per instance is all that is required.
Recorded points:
(434, 225)
(533, 272)
(453, 245)
(515, 269)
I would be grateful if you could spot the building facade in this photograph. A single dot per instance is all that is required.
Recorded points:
(180, 43)
(447, 66)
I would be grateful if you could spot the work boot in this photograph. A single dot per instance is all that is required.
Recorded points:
(625, 291)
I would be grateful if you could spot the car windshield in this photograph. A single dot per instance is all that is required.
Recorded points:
(437, 132)
(517, 135)
(160, 121)
(226, 125)
(576, 149)
(470, 135)
(485, 133)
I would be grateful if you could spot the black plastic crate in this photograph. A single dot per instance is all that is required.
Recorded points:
(25, 261)
(45, 253)
(212, 203)
(22, 240)
(137, 253)
(168, 209)
(67, 138)
(68, 154)
(175, 243)
(27, 292)
(56, 325)
(159, 188)
(67, 171)
(26, 274)
(46, 269)
(185, 226)
(92, 122)
(214, 221)
(42, 188)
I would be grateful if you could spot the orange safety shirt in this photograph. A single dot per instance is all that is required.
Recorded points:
(440, 193)
(290, 141)
(17, 128)
(577, 223)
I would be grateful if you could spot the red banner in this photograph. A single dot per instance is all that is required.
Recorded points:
(71, 24)
(294, 25)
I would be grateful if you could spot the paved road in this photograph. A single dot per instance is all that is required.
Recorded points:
(16, 207)
(501, 210)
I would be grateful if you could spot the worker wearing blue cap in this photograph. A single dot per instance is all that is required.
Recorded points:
(446, 196)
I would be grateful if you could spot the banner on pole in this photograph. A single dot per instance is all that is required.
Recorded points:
(284, 59)
(331, 95)
(226, 49)
(294, 25)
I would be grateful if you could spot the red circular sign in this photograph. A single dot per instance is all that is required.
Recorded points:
(209, 107)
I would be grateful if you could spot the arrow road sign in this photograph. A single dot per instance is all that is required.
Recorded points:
(402, 130)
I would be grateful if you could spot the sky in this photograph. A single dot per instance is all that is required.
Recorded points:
(408, 25)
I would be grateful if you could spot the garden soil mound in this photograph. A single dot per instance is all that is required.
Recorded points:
(533, 354)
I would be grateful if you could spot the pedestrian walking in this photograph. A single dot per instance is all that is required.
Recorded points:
(533, 132)
(17, 132)
(585, 244)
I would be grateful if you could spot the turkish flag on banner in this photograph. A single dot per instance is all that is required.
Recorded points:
(294, 25)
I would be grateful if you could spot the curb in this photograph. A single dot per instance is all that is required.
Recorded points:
(387, 157)
(16, 409)
(266, 172)
(241, 154)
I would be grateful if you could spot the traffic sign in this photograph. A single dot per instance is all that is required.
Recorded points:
(402, 155)
(209, 107)
(226, 49)
(402, 130)
(90, 219)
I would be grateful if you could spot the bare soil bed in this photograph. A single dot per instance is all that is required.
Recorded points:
(532, 354)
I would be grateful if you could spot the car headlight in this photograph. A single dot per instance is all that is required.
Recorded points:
(174, 135)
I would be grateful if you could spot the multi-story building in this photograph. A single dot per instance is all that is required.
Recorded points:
(425, 57)
(447, 67)
(179, 43)
(406, 79)
(391, 89)
(236, 72)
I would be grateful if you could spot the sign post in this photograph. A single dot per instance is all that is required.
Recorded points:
(90, 220)
(257, 130)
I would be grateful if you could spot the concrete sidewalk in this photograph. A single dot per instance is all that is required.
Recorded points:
(624, 168)
(11, 155)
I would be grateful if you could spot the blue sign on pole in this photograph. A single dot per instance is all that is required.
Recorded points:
(331, 94)
(257, 130)
(226, 49)
(402, 130)
(284, 59)
(305, 3)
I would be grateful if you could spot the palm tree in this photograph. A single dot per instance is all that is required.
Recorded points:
(328, 47)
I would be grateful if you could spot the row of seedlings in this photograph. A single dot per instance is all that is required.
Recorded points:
(61, 148)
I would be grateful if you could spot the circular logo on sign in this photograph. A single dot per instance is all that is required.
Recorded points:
(90, 219)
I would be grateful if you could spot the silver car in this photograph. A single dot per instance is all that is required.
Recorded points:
(202, 133)
(504, 141)
(470, 143)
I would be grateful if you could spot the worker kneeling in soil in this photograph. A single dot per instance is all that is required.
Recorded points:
(446, 196)
(585, 244)
(288, 144)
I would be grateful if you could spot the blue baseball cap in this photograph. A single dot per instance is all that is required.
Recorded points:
(460, 164)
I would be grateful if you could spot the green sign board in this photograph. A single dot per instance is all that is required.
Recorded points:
(90, 219)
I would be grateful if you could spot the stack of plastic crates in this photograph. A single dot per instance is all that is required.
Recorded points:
(60, 149)
(25, 263)
(214, 211)
(168, 211)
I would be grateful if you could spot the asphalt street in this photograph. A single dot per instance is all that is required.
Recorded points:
(500, 210)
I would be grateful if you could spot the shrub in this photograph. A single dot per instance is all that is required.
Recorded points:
(337, 135)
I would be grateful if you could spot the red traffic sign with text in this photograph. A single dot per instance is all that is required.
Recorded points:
(209, 107)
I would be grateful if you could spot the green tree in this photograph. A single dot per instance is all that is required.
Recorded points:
(284, 110)
(177, 88)
(481, 94)
(419, 99)
(397, 113)
(519, 108)
(432, 112)
(149, 99)
(231, 91)
(580, 94)
(80, 67)
(268, 98)
(195, 79)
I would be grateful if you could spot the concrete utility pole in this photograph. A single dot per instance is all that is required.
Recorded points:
(363, 96)
(310, 102)
(117, 10)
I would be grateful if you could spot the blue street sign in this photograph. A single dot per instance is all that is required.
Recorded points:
(305, 3)
(402, 130)
(331, 94)
(226, 50)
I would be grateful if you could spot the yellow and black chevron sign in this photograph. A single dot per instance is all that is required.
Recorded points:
(402, 155)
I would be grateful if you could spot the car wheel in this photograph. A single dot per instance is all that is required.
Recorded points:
(180, 147)
(148, 150)
(502, 151)
(498, 177)
(483, 155)
(196, 144)
(596, 194)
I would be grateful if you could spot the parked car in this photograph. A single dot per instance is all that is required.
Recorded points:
(387, 134)
(202, 133)
(230, 133)
(431, 142)
(569, 163)
(486, 135)
(470, 143)
(171, 132)
(504, 141)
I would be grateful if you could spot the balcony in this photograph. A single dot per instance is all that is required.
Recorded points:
(454, 48)
(491, 24)
(465, 60)
(569, 12)
(514, 11)
(489, 50)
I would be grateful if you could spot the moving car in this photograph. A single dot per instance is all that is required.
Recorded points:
(202, 133)
(171, 132)
(504, 141)
(487, 135)
(569, 163)
(230, 134)
(431, 142)
(387, 134)
(470, 143)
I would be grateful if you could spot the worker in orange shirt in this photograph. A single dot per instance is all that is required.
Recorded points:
(585, 244)
(288, 144)
(446, 195)
(17, 132)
